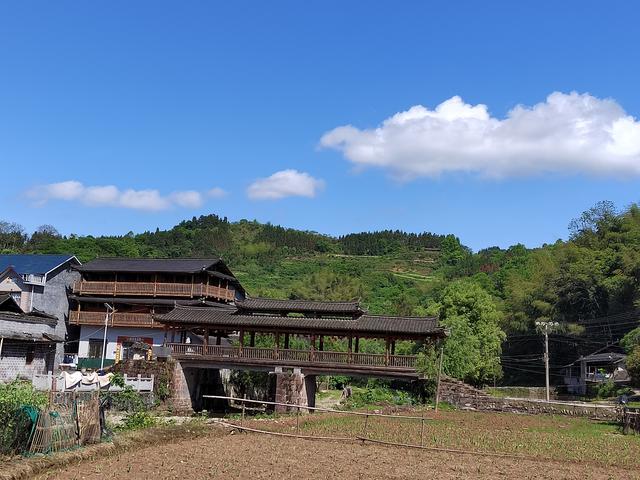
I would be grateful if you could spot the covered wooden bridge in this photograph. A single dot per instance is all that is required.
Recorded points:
(264, 334)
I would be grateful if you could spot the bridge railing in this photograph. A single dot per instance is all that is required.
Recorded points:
(297, 356)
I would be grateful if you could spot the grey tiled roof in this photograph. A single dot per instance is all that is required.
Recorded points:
(374, 324)
(149, 265)
(34, 317)
(34, 264)
(612, 357)
(276, 305)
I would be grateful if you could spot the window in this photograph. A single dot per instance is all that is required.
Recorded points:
(95, 348)
(30, 354)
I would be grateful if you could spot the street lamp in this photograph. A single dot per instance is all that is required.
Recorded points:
(104, 339)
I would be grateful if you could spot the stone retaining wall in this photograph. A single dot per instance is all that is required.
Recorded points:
(467, 397)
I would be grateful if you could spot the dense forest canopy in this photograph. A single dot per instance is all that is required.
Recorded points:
(589, 283)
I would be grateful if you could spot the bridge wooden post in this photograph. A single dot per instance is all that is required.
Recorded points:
(206, 340)
(312, 349)
(241, 339)
(321, 343)
(252, 339)
(357, 344)
(350, 348)
(286, 341)
(277, 349)
(386, 351)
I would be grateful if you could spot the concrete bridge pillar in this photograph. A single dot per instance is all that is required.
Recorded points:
(294, 388)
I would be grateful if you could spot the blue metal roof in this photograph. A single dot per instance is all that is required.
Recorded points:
(33, 264)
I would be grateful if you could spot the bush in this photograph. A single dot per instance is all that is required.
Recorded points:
(610, 390)
(381, 396)
(137, 420)
(13, 423)
(126, 400)
(633, 365)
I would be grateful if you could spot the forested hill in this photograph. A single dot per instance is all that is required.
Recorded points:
(271, 260)
(211, 235)
(588, 284)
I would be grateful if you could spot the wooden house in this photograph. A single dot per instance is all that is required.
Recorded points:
(125, 295)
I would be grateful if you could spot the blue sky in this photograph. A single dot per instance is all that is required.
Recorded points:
(119, 116)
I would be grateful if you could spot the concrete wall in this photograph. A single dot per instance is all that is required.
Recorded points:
(52, 299)
(94, 332)
(13, 360)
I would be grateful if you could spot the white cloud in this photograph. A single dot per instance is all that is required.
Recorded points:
(187, 199)
(216, 192)
(285, 183)
(568, 133)
(112, 196)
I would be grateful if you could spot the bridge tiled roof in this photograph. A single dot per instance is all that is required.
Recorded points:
(300, 306)
(364, 324)
(149, 265)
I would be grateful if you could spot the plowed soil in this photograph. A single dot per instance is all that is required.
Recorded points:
(256, 456)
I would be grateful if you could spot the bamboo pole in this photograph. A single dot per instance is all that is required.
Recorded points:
(439, 375)
(244, 403)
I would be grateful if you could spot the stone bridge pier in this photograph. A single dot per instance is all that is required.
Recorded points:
(294, 387)
(191, 381)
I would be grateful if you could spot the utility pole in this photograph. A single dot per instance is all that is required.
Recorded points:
(545, 327)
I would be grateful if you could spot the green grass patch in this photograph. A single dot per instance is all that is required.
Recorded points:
(542, 436)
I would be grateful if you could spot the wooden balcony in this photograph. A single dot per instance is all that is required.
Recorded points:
(153, 289)
(303, 358)
(143, 320)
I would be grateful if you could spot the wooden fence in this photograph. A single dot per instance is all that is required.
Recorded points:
(153, 289)
(630, 420)
(187, 350)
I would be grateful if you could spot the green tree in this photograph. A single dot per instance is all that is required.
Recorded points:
(451, 250)
(633, 365)
(631, 340)
(328, 286)
(472, 351)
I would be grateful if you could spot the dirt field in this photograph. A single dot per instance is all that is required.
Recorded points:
(255, 456)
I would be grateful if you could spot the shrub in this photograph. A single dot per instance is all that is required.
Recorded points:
(126, 400)
(633, 365)
(609, 390)
(379, 396)
(13, 424)
(137, 420)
